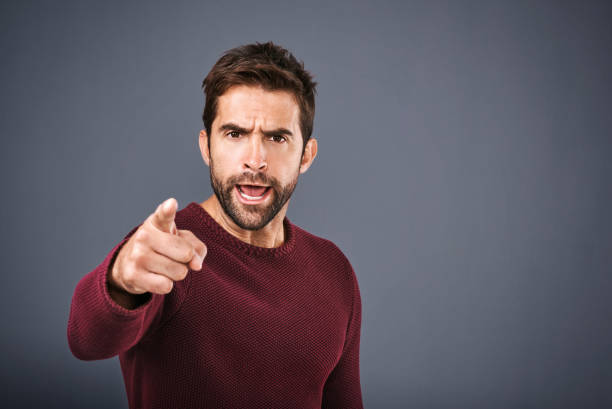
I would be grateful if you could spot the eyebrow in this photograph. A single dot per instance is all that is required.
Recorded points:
(230, 126)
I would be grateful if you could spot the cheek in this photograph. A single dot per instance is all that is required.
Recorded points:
(285, 159)
(223, 164)
(288, 174)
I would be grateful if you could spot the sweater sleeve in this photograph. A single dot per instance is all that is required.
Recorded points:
(98, 327)
(342, 388)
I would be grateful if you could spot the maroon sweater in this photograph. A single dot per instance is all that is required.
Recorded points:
(256, 327)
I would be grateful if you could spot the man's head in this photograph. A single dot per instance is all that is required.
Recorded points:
(264, 65)
(258, 121)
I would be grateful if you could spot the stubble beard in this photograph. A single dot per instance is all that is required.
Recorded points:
(251, 217)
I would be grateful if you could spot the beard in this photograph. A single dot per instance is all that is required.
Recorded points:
(257, 216)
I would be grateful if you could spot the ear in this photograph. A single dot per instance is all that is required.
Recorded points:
(310, 152)
(203, 142)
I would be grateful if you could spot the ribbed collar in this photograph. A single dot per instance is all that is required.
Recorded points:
(207, 222)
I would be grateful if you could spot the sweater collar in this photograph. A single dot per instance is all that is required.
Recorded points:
(207, 222)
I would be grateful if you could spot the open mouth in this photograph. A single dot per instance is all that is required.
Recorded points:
(253, 194)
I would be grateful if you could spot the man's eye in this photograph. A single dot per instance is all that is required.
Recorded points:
(279, 138)
(234, 133)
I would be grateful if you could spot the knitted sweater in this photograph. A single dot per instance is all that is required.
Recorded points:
(256, 327)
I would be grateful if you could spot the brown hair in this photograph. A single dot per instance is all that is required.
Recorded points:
(261, 64)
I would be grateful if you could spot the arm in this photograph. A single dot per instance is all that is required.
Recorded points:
(100, 326)
(342, 389)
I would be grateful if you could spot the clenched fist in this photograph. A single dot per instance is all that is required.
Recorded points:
(155, 256)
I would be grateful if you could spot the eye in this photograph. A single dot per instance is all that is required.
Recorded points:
(233, 133)
(282, 138)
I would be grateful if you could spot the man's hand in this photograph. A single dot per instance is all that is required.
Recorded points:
(156, 255)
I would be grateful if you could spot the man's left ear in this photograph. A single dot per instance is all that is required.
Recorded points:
(310, 152)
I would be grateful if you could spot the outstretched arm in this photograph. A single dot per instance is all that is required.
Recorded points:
(98, 326)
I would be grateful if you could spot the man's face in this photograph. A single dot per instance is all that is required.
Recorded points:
(255, 153)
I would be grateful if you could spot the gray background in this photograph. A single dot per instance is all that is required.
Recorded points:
(464, 168)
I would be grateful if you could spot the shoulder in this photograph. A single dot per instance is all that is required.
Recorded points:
(317, 242)
(334, 268)
(327, 252)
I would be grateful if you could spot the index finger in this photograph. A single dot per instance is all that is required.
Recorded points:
(163, 217)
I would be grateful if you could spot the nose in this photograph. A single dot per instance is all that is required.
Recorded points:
(256, 155)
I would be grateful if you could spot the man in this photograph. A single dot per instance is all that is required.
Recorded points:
(226, 303)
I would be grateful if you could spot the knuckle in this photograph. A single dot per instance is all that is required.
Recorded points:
(187, 255)
(130, 267)
(128, 278)
(182, 272)
(142, 235)
(166, 286)
(131, 287)
(138, 253)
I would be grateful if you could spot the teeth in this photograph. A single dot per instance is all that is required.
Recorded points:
(250, 197)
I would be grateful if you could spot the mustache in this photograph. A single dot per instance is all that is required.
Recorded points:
(252, 179)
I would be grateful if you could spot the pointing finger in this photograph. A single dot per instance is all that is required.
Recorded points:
(163, 217)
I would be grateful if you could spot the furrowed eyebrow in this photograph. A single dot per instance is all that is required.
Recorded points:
(278, 131)
(230, 126)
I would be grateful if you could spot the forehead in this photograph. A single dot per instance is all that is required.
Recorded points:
(248, 105)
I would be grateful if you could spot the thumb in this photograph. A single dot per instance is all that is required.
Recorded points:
(163, 217)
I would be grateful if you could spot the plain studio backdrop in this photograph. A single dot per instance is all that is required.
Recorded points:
(464, 167)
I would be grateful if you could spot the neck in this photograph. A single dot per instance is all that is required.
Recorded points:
(270, 236)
